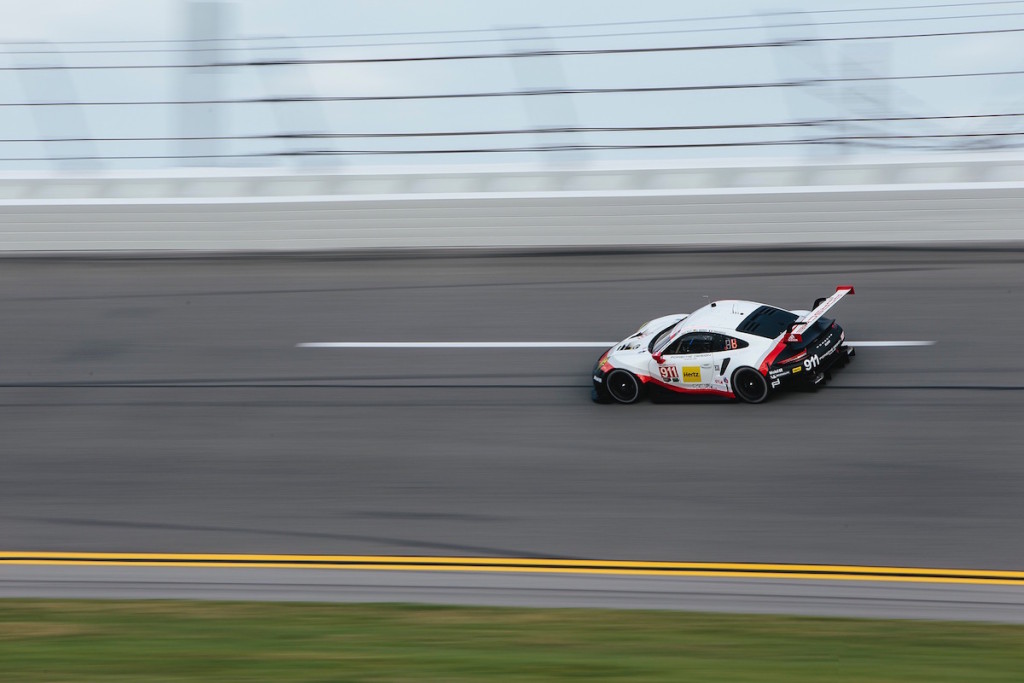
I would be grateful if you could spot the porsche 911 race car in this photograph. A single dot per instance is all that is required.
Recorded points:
(730, 349)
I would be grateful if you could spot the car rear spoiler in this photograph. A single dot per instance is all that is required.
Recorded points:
(798, 328)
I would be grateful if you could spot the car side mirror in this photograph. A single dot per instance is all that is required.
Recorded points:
(658, 358)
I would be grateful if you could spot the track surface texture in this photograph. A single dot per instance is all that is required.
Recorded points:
(161, 405)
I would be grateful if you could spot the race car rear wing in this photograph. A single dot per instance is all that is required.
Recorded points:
(801, 325)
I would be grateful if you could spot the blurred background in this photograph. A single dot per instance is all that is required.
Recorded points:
(115, 84)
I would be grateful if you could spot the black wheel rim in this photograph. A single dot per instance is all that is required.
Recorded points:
(623, 387)
(750, 386)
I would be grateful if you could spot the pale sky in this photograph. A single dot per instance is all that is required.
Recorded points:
(494, 25)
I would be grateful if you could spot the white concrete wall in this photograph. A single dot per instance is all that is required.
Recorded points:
(940, 199)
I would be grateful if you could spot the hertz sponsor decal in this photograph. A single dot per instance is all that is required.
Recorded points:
(797, 369)
(691, 374)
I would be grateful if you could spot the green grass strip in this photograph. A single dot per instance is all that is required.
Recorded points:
(165, 641)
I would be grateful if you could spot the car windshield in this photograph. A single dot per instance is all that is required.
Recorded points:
(663, 338)
(767, 321)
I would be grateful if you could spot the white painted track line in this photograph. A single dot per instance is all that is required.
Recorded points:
(526, 345)
(455, 345)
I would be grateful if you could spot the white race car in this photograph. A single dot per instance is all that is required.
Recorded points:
(729, 349)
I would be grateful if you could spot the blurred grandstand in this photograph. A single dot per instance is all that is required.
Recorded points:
(811, 84)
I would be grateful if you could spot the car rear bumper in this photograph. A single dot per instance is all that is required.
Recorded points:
(810, 374)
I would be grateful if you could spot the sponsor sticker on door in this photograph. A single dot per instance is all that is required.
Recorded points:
(691, 373)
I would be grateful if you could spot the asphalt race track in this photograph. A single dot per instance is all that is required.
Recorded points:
(161, 405)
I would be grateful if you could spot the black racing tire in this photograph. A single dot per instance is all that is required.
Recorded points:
(623, 386)
(749, 385)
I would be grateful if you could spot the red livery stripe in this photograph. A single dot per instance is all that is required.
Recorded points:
(770, 358)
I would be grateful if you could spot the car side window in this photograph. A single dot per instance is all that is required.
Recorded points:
(694, 342)
(723, 343)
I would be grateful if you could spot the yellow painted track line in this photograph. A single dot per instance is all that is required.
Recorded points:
(801, 572)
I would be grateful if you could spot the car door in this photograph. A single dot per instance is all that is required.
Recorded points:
(686, 362)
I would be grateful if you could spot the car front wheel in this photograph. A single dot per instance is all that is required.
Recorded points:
(749, 385)
(623, 386)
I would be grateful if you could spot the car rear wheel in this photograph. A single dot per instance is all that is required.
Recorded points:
(623, 386)
(749, 385)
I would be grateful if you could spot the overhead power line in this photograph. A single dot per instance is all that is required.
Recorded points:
(514, 54)
(382, 152)
(688, 20)
(520, 131)
(424, 58)
(914, 77)
(518, 93)
(442, 96)
(511, 39)
(533, 148)
(431, 134)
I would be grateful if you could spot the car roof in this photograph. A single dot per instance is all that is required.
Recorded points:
(720, 315)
